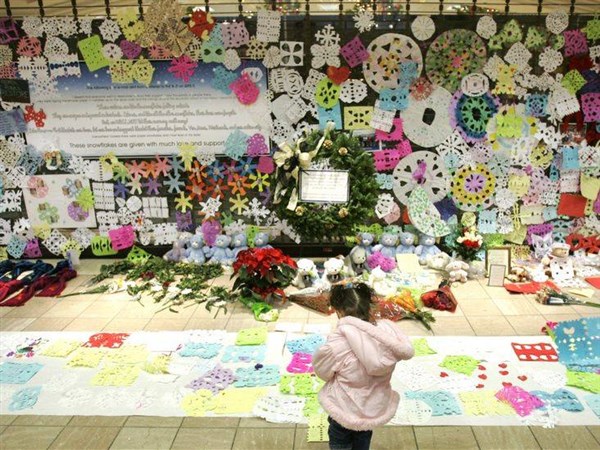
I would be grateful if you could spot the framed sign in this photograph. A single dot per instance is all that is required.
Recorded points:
(496, 275)
(14, 91)
(498, 256)
(324, 186)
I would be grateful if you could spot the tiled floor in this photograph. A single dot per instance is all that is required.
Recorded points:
(482, 311)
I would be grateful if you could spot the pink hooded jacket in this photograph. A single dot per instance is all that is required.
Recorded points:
(357, 362)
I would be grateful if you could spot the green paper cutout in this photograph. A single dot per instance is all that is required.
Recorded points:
(101, 246)
(584, 380)
(327, 94)
(461, 364)
(91, 50)
(573, 81)
(138, 255)
(422, 347)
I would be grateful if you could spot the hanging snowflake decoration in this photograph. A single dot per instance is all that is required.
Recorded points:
(272, 57)
(325, 55)
(256, 211)
(205, 157)
(422, 28)
(256, 49)
(550, 59)
(486, 27)
(557, 22)
(110, 31)
(364, 19)
(327, 36)
(183, 68)
(211, 207)
(33, 26)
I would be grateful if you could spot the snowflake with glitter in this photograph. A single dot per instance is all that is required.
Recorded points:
(183, 67)
(364, 20)
(211, 207)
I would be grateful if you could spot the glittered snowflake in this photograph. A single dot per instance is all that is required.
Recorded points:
(325, 55)
(256, 211)
(327, 36)
(364, 20)
(110, 31)
(183, 67)
(211, 207)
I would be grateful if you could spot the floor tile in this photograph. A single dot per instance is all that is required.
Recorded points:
(154, 422)
(478, 307)
(182, 313)
(289, 311)
(562, 438)
(448, 326)
(595, 430)
(166, 324)
(7, 419)
(68, 308)
(125, 325)
(33, 308)
(87, 324)
(517, 306)
(491, 326)
(200, 312)
(49, 324)
(393, 438)
(199, 439)
(257, 422)
(301, 441)
(17, 324)
(85, 438)
(210, 422)
(586, 310)
(98, 421)
(28, 437)
(552, 309)
(530, 325)
(264, 438)
(240, 324)
(103, 309)
(470, 289)
(2, 428)
(413, 328)
(134, 438)
(561, 317)
(134, 310)
(451, 438)
(42, 421)
(505, 438)
(206, 324)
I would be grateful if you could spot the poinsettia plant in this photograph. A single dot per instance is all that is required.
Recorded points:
(262, 272)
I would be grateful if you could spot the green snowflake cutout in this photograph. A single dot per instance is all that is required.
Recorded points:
(85, 198)
(461, 364)
(422, 347)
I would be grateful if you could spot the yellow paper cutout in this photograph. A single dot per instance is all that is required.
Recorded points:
(532, 214)
(158, 365)
(196, 404)
(61, 348)
(589, 186)
(117, 375)
(3, 253)
(318, 427)
(517, 236)
(358, 117)
(237, 400)
(128, 354)
(484, 403)
(86, 357)
(121, 71)
(42, 230)
(519, 184)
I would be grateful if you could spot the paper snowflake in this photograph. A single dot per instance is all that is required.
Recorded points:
(325, 55)
(364, 20)
(183, 68)
(256, 211)
(272, 57)
(110, 31)
(205, 157)
(33, 26)
(238, 204)
(486, 27)
(236, 227)
(256, 49)
(211, 207)
(232, 60)
(236, 144)
(327, 36)
(550, 59)
(11, 201)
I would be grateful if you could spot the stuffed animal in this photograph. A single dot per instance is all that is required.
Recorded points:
(407, 243)
(220, 253)
(195, 252)
(365, 240)
(457, 271)
(518, 274)
(334, 271)
(356, 261)
(426, 248)
(239, 243)
(307, 274)
(261, 240)
(387, 245)
(178, 252)
(439, 261)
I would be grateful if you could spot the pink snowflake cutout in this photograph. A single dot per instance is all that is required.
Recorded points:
(386, 159)
(8, 30)
(183, 67)
(257, 145)
(354, 52)
(404, 148)
(122, 238)
(575, 43)
(395, 134)
(211, 229)
(245, 89)
(590, 104)
(266, 165)
(32, 249)
(130, 50)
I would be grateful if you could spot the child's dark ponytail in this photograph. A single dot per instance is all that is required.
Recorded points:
(352, 299)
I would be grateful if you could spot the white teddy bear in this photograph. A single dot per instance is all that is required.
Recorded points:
(457, 270)
(307, 274)
(335, 271)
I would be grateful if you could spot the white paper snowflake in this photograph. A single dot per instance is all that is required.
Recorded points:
(85, 25)
(486, 27)
(519, 56)
(492, 67)
(32, 69)
(83, 236)
(550, 59)
(256, 211)
(236, 227)
(364, 19)
(78, 165)
(327, 36)
(55, 241)
(292, 53)
(557, 22)
(549, 135)
(272, 57)
(110, 30)
(66, 27)
(55, 46)
(11, 201)
(353, 91)
(505, 198)
(165, 233)
(325, 55)
(232, 60)
(22, 227)
(205, 157)
(562, 103)
(112, 51)
(422, 27)
(210, 208)
(33, 26)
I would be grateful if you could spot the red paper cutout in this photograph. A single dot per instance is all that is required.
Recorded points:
(531, 287)
(201, 24)
(245, 89)
(594, 281)
(37, 117)
(540, 352)
(338, 74)
(109, 340)
(572, 205)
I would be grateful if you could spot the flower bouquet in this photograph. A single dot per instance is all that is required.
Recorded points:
(549, 296)
(261, 273)
(466, 243)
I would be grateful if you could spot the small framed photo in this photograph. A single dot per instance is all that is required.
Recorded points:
(496, 275)
(498, 256)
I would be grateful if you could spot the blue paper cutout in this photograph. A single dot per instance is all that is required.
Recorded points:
(201, 350)
(308, 344)
(216, 171)
(18, 373)
(263, 376)
(487, 222)
(25, 398)
(247, 166)
(222, 78)
(549, 213)
(593, 401)
(393, 99)
(236, 144)
(408, 73)
(537, 105)
(446, 208)
(561, 398)
(570, 158)
(330, 115)
(244, 353)
(12, 122)
(174, 183)
(385, 181)
(30, 160)
(577, 341)
(442, 403)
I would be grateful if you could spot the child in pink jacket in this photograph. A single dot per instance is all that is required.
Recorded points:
(356, 363)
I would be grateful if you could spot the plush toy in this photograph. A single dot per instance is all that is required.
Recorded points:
(518, 274)
(356, 261)
(239, 243)
(439, 261)
(541, 245)
(381, 284)
(387, 245)
(334, 271)
(178, 252)
(457, 271)
(407, 243)
(557, 250)
(307, 274)
(261, 240)
(220, 253)
(365, 240)
(426, 248)
(195, 251)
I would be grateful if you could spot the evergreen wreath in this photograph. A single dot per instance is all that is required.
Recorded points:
(316, 221)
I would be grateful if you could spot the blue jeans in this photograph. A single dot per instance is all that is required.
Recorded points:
(341, 438)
